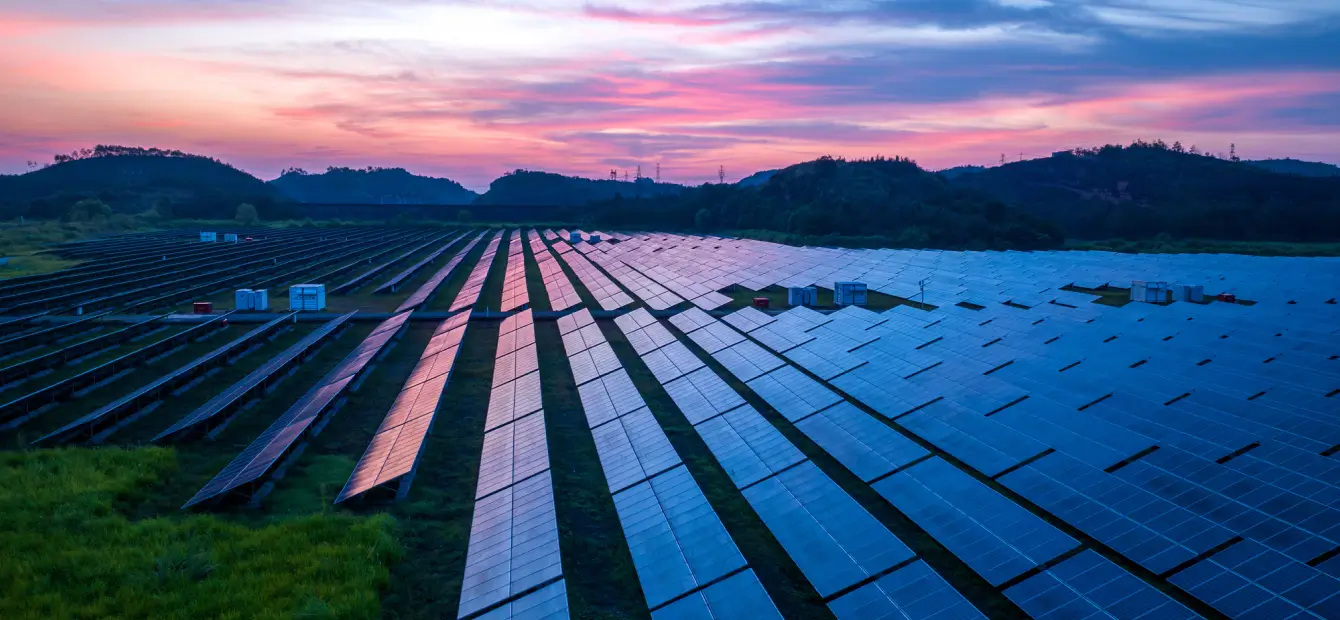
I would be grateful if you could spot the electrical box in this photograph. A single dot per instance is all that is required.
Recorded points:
(849, 293)
(243, 299)
(230, 237)
(309, 297)
(260, 300)
(802, 296)
(574, 237)
(209, 237)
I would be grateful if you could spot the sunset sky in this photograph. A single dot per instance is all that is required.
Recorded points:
(471, 88)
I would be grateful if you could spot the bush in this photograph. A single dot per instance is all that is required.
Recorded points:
(702, 220)
(464, 215)
(246, 214)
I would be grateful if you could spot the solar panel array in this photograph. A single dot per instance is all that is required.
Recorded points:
(264, 453)
(362, 278)
(562, 295)
(513, 567)
(685, 560)
(394, 283)
(88, 424)
(606, 293)
(667, 273)
(474, 285)
(426, 290)
(232, 397)
(393, 454)
(515, 294)
(834, 541)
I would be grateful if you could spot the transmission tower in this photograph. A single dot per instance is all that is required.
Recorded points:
(721, 174)
(625, 176)
(614, 174)
(639, 172)
(658, 172)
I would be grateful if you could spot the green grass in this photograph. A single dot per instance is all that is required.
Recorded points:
(70, 552)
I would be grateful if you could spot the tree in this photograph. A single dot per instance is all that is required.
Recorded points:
(703, 219)
(463, 215)
(89, 210)
(246, 214)
(163, 208)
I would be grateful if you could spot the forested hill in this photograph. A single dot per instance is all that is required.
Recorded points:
(133, 180)
(527, 187)
(892, 199)
(1145, 189)
(371, 186)
(1294, 166)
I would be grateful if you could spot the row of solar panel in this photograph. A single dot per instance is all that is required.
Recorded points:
(686, 561)
(513, 567)
(264, 453)
(515, 294)
(831, 537)
(394, 452)
(430, 286)
(474, 284)
(359, 280)
(606, 293)
(394, 283)
(562, 295)
(90, 424)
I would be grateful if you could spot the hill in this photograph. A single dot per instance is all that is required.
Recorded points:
(958, 171)
(371, 186)
(889, 201)
(133, 180)
(528, 187)
(1299, 167)
(1148, 189)
(756, 179)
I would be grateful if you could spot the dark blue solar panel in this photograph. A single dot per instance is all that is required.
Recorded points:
(911, 592)
(991, 534)
(984, 444)
(1150, 531)
(1249, 580)
(1089, 586)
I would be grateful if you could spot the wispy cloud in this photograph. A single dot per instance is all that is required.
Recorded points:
(471, 88)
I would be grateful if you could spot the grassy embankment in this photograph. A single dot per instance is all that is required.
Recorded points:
(71, 551)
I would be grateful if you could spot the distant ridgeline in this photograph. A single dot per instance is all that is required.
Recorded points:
(1134, 192)
(528, 187)
(391, 186)
(1146, 189)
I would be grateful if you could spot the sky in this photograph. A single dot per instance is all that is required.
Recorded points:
(469, 89)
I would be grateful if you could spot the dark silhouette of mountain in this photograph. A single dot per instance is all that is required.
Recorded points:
(1297, 166)
(887, 201)
(1146, 189)
(756, 179)
(529, 187)
(371, 186)
(958, 171)
(132, 180)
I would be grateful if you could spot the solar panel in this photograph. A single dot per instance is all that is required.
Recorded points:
(576, 320)
(512, 453)
(992, 535)
(793, 394)
(748, 361)
(833, 540)
(547, 603)
(738, 597)
(518, 363)
(913, 591)
(581, 339)
(715, 336)
(513, 545)
(677, 541)
(633, 448)
(692, 319)
(609, 397)
(1150, 531)
(635, 320)
(701, 394)
(1249, 580)
(985, 445)
(513, 400)
(1090, 586)
(748, 319)
(671, 362)
(747, 446)
(594, 362)
(864, 445)
(650, 338)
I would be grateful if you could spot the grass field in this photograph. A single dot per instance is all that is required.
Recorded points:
(71, 552)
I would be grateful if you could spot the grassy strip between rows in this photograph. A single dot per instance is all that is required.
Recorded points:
(69, 552)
